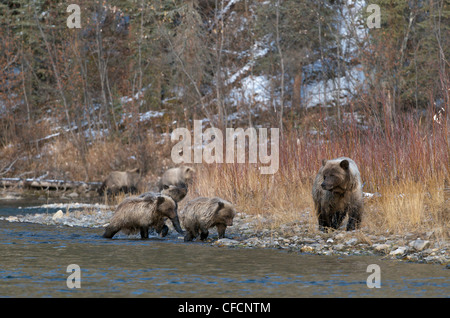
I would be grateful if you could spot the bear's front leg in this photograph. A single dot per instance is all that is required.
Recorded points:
(164, 231)
(354, 218)
(324, 221)
(204, 235)
(189, 236)
(221, 230)
(144, 232)
(337, 218)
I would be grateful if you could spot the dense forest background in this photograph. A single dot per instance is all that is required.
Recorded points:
(78, 103)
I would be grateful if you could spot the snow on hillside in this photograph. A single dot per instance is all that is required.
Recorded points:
(255, 90)
(352, 33)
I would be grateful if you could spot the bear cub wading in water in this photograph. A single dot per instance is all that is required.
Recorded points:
(202, 213)
(138, 214)
(337, 191)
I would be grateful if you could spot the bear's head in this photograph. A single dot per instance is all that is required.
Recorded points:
(336, 175)
(225, 213)
(168, 208)
(188, 174)
(133, 176)
(176, 192)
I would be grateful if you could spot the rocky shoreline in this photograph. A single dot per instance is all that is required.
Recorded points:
(298, 237)
(255, 231)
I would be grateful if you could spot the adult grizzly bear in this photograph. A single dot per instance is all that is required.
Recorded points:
(138, 214)
(337, 191)
(175, 176)
(126, 181)
(202, 213)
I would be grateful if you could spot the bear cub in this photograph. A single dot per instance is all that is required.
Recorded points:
(202, 213)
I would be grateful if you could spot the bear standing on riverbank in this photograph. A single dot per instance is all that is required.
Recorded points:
(337, 192)
(202, 213)
(138, 214)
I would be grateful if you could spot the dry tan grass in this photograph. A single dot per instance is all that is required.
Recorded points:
(409, 207)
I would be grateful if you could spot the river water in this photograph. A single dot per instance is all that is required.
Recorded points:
(34, 260)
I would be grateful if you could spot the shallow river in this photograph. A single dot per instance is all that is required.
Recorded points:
(34, 260)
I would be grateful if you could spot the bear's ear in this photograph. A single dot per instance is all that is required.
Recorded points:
(344, 164)
(324, 161)
(160, 200)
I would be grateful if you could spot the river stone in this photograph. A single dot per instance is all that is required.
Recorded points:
(58, 215)
(339, 236)
(226, 242)
(399, 251)
(338, 247)
(306, 249)
(12, 219)
(381, 247)
(419, 244)
(351, 241)
(253, 241)
(244, 226)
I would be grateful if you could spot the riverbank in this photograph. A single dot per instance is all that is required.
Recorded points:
(257, 231)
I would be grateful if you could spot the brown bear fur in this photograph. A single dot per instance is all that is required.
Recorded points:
(202, 213)
(177, 176)
(337, 192)
(126, 181)
(138, 214)
(176, 192)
